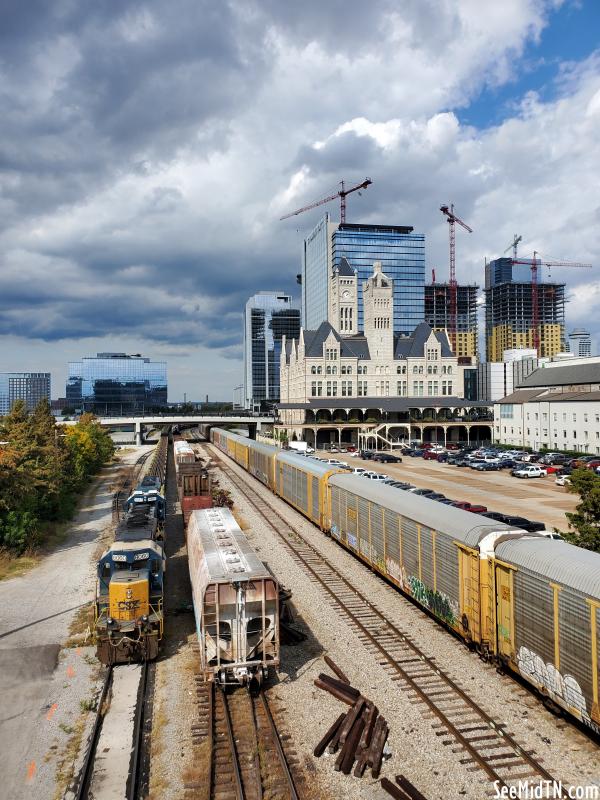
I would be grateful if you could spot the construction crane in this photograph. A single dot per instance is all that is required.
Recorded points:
(452, 220)
(342, 194)
(513, 245)
(533, 264)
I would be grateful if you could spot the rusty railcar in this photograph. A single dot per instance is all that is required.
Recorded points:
(236, 601)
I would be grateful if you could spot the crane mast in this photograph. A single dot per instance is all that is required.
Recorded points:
(452, 220)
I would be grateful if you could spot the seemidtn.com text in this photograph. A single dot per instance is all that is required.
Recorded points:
(546, 790)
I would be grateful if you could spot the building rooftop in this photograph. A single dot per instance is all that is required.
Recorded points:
(387, 403)
(344, 269)
(563, 375)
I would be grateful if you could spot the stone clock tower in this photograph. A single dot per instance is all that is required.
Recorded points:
(343, 299)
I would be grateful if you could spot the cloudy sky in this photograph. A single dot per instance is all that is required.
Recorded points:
(148, 149)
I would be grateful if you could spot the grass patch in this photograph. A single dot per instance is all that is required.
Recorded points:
(12, 566)
(81, 629)
(65, 769)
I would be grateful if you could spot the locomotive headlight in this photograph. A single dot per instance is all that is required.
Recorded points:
(110, 621)
(144, 618)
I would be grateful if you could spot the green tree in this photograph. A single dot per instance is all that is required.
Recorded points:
(585, 520)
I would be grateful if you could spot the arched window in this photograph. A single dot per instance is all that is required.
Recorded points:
(334, 370)
(364, 370)
(328, 369)
(319, 370)
(449, 370)
(415, 370)
(435, 372)
(349, 370)
(420, 370)
(313, 370)
(429, 369)
(399, 370)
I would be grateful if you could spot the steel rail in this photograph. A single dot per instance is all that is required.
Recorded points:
(237, 774)
(85, 776)
(279, 747)
(505, 740)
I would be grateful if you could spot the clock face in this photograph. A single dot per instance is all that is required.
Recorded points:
(346, 294)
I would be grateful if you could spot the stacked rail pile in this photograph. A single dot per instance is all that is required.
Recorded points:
(158, 463)
(359, 735)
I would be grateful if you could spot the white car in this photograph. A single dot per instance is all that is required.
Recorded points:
(562, 480)
(529, 471)
(374, 476)
(358, 471)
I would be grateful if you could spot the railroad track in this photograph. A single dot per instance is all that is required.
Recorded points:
(247, 760)
(483, 743)
(136, 777)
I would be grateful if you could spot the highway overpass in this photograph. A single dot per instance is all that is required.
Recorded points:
(137, 425)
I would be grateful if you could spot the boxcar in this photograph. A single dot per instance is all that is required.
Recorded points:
(261, 462)
(236, 600)
(430, 551)
(302, 482)
(547, 601)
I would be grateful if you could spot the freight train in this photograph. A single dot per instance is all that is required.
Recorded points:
(236, 601)
(129, 613)
(524, 601)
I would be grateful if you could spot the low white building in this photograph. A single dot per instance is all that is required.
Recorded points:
(556, 409)
(496, 379)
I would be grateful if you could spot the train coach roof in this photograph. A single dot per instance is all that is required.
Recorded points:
(464, 526)
(259, 447)
(227, 554)
(558, 561)
(308, 465)
(230, 434)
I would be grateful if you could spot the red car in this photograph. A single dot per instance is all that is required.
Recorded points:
(429, 455)
(475, 509)
(550, 468)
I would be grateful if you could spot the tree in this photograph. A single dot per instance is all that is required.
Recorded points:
(585, 520)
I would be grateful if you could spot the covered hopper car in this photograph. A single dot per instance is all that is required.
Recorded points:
(522, 600)
(236, 601)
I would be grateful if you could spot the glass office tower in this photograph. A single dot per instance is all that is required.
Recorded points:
(28, 386)
(268, 317)
(112, 384)
(402, 256)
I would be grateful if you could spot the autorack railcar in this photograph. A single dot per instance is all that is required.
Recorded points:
(525, 601)
(236, 601)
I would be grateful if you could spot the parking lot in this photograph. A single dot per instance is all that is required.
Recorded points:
(534, 498)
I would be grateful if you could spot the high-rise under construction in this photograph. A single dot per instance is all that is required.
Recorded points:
(437, 314)
(509, 310)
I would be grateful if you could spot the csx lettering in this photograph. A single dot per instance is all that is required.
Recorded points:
(128, 605)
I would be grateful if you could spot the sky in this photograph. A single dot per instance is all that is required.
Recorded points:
(148, 149)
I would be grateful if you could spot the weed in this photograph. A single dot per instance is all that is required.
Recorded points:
(87, 705)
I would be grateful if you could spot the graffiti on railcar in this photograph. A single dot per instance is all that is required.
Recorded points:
(562, 688)
(438, 603)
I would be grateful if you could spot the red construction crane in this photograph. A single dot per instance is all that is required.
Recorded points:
(452, 219)
(342, 193)
(534, 263)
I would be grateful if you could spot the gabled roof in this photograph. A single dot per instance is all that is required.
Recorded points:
(344, 269)
(350, 346)
(413, 346)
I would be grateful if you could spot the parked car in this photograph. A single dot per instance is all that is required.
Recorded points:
(452, 446)
(529, 471)
(495, 515)
(507, 463)
(462, 462)
(387, 458)
(489, 466)
(367, 454)
(358, 471)
(553, 468)
(551, 535)
(415, 453)
(422, 492)
(351, 448)
(522, 522)
(402, 485)
(593, 464)
(442, 457)
(562, 480)
(430, 455)
(437, 496)
(374, 476)
(466, 506)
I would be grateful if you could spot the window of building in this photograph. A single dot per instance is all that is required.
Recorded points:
(429, 369)
(585, 417)
(574, 435)
(506, 410)
(415, 370)
(421, 370)
(554, 417)
(328, 369)
(574, 417)
(564, 434)
(449, 370)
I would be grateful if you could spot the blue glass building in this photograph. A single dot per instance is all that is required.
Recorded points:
(268, 317)
(402, 256)
(116, 383)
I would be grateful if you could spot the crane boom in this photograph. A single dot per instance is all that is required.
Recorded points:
(514, 244)
(342, 194)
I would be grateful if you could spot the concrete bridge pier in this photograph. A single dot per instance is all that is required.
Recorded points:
(138, 434)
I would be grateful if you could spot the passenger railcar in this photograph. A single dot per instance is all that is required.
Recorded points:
(525, 601)
(236, 601)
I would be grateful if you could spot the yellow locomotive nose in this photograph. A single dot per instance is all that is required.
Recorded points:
(128, 595)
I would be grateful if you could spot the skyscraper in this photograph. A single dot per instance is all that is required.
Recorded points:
(28, 386)
(267, 317)
(437, 314)
(400, 251)
(116, 383)
(509, 310)
(581, 342)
